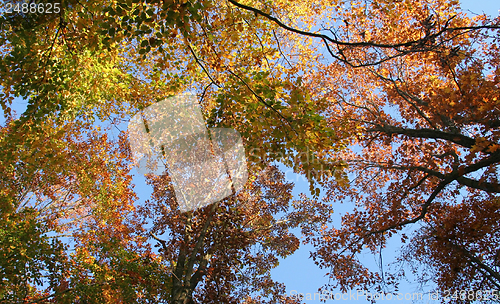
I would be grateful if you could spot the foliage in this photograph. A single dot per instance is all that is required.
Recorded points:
(96, 63)
(225, 252)
(27, 256)
(411, 88)
(419, 87)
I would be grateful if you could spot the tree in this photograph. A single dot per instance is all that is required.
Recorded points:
(419, 85)
(60, 183)
(227, 56)
(104, 62)
(224, 252)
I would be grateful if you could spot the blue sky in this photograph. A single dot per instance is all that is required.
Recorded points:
(298, 272)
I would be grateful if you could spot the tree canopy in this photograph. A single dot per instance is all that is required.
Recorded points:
(390, 106)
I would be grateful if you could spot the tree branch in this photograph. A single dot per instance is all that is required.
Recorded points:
(423, 211)
(479, 263)
(200, 241)
(413, 43)
(459, 139)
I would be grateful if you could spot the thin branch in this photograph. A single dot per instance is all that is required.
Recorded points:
(279, 48)
(200, 64)
(162, 242)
